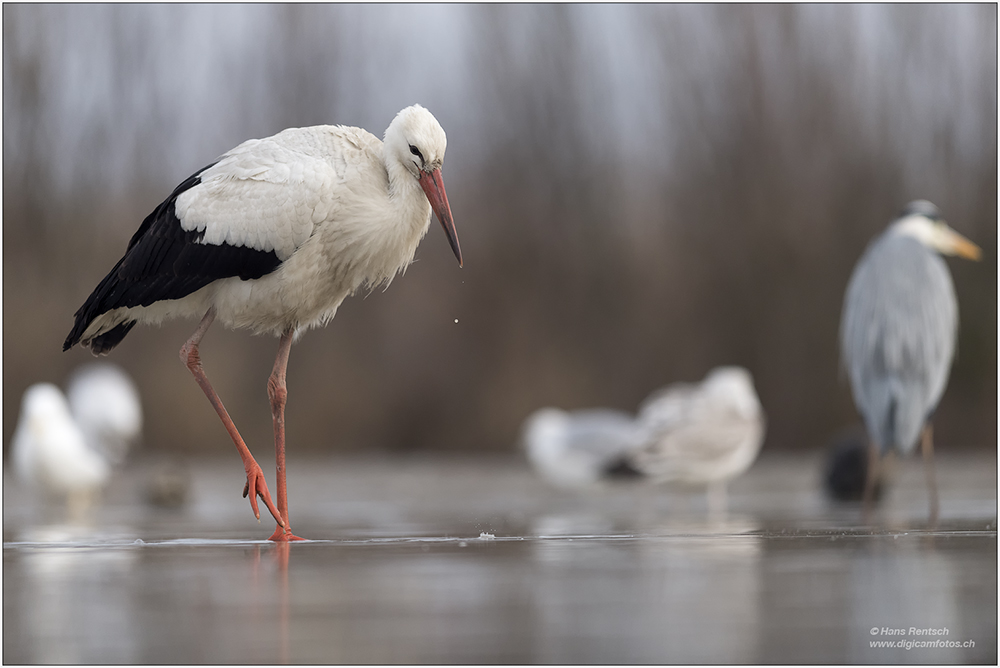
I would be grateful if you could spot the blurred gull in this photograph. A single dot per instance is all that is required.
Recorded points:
(577, 448)
(50, 452)
(897, 334)
(688, 434)
(68, 446)
(704, 433)
(105, 404)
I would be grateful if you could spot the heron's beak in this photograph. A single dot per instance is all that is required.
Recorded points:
(960, 246)
(434, 189)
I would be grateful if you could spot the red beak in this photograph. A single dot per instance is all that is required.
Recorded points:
(434, 189)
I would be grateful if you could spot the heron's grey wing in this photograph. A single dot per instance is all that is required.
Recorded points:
(898, 337)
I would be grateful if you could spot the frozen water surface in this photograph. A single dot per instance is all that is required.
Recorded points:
(447, 560)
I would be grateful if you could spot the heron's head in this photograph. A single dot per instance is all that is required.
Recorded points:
(417, 141)
(922, 221)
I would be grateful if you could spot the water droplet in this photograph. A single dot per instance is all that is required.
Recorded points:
(456, 321)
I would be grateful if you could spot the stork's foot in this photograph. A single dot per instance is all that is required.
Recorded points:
(282, 536)
(256, 483)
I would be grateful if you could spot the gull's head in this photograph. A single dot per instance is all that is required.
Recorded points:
(417, 141)
(44, 403)
(44, 426)
(543, 433)
(48, 448)
(922, 221)
(733, 386)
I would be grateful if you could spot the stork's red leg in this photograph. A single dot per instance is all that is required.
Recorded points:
(278, 394)
(255, 476)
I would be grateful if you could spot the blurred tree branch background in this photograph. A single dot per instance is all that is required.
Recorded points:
(643, 192)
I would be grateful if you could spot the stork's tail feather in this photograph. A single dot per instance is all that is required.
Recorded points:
(102, 345)
(95, 306)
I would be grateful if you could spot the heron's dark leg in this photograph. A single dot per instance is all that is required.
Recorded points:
(278, 394)
(928, 449)
(871, 479)
(255, 476)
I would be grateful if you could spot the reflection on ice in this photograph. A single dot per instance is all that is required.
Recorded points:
(79, 616)
(915, 588)
(679, 598)
(438, 562)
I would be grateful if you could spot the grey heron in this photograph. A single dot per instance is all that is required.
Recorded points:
(897, 334)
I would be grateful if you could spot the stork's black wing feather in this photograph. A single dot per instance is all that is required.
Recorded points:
(164, 261)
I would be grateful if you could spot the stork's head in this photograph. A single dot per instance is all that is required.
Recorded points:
(417, 141)
(922, 221)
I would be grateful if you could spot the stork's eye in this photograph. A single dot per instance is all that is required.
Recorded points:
(416, 151)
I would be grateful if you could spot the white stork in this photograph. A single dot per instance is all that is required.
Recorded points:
(272, 237)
